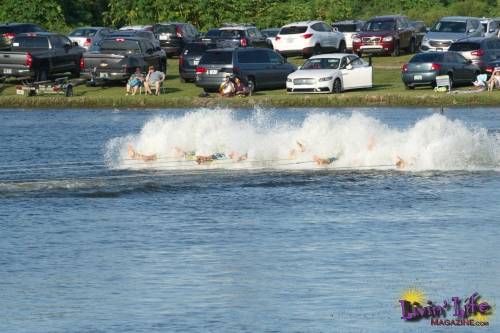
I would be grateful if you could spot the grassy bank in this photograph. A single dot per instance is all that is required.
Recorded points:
(388, 90)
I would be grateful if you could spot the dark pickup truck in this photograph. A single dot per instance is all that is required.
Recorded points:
(38, 55)
(118, 58)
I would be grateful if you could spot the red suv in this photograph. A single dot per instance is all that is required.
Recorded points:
(384, 35)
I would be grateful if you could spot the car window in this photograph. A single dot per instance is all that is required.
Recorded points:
(253, 57)
(65, 41)
(459, 58)
(326, 27)
(164, 29)
(317, 27)
(449, 26)
(296, 29)
(217, 58)
(31, 42)
(346, 27)
(465, 46)
(355, 61)
(343, 62)
(427, 57)
(474, 24)
(321, 63)
(232, 34)
(275, 58)
(251, 33)
(56, 42)
(380, 25)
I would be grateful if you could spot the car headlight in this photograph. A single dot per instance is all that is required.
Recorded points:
(328, 78)
(288, 79)
(356, 40)
(387, 39)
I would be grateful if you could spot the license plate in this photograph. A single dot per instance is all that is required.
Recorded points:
(163, 37)
(371, 47)
(212, 71)
(7, 71)
(290, 40)
(439, 49)
(103, 75)
(417, 77)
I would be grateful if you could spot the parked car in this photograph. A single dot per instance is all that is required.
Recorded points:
(348, 28)
(39, 55)
(10, 30)
(270, 35)
(309, 38)
(330, 73)
(491, 27)
(420, 31)
(423, 68)
(190, 58)
(149, 35)
(87, 36)
(261, 68)
(479, 50)
(241, 36)
(450, 29)
(120, 56)
(173, 36)
(385, 35)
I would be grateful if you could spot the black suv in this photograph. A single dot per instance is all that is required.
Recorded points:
(190, 57)
(241, 36)
(9, 31)
(173, 36)
(260, 67)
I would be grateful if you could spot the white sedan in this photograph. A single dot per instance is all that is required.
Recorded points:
(328, 73)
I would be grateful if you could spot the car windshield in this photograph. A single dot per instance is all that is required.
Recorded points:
(31, 42)
(296, 29)
(5, 30)
(232, 34)
(379, 25)
(345, 27)
(164, 29)
(322, 63)
(465, 46)
(217, 58)
(427, 57)
(449, 26)
(120, 45)
(83, 33)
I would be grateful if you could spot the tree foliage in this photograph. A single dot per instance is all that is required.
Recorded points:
(62, 15)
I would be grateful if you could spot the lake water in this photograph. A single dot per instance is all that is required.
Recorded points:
(94, 241)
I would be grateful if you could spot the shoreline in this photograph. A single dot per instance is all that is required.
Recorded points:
(351, 100)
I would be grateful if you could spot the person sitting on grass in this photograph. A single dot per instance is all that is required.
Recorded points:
(227, 88)
(494, 81)
(240, 88)
(135, 81)
(154, 79)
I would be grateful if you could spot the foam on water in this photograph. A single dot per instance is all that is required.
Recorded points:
(357, 141)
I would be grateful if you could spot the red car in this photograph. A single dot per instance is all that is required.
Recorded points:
(385, 35)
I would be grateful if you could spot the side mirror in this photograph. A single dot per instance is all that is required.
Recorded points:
(75, 44)
(335, 29)
(469, 62)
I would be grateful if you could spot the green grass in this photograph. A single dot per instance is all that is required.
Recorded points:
(388, 90)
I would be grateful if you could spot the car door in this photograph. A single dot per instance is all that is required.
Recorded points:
(360, 74)
(404, 32)
(279, 68)
(322, 37)
(461, 72)
(58, 55)
(348, 75)
(333, 37)
(149, 55)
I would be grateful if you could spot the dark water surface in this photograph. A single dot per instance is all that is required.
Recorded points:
(89, 248)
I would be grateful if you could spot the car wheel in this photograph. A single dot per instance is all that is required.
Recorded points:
(251, 84)
(183, 80)
(396, 51)
(42, 74)
(317, 49)
(342, 47)
(337, 86)
(452, 84)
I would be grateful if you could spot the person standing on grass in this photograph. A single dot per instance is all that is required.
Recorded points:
(154, 79)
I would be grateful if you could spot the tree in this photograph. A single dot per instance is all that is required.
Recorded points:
(47, 13)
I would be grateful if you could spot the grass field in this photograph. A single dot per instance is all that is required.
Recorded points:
(388, 90)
